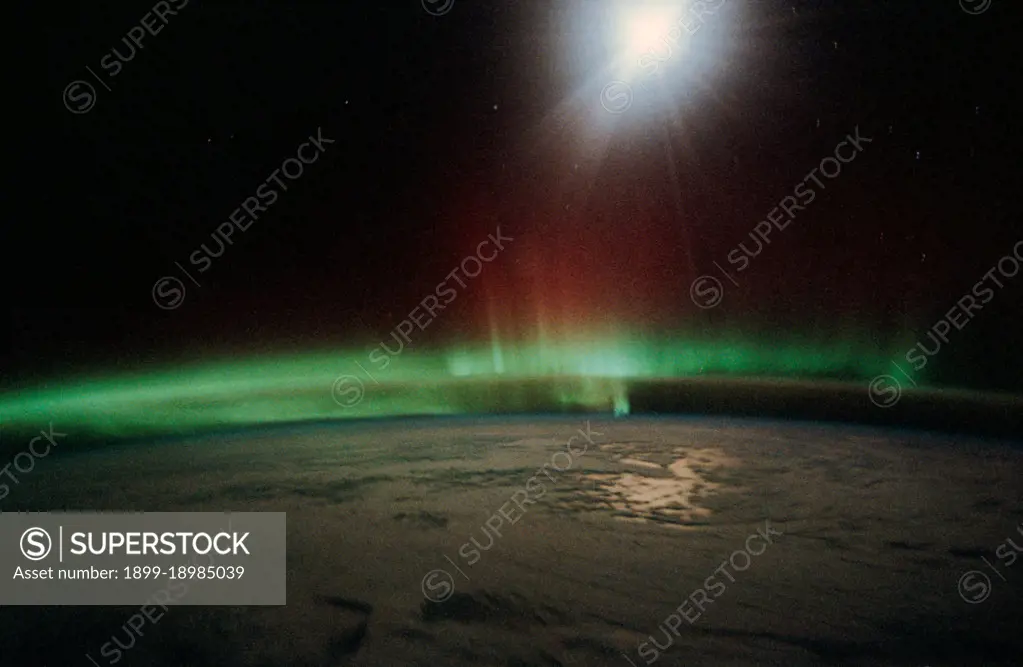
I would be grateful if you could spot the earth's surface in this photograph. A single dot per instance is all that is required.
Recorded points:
(856, 543)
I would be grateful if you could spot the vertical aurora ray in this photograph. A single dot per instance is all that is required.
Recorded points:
(495, 339)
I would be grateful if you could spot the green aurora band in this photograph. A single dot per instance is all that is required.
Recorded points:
(325, 385)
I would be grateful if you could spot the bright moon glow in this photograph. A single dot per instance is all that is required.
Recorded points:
(643, 26)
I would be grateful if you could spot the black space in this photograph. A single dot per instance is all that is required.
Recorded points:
(423, 165)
